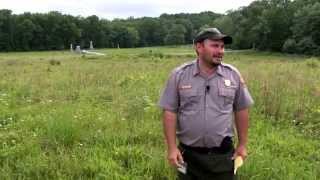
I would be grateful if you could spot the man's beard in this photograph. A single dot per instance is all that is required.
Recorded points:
(213, 61)
(216, 61)
(214, 64)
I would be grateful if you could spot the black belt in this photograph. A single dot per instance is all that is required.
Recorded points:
(225, 147)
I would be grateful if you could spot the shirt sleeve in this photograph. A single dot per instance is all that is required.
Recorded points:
(243, 98)
(169, 99)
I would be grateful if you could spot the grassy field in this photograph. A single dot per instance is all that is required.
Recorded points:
(67, 116)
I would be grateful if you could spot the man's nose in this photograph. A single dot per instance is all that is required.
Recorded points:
(221, 51)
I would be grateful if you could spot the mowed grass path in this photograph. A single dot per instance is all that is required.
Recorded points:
(67, 116)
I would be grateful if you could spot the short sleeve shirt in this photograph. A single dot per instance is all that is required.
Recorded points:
(204, 105)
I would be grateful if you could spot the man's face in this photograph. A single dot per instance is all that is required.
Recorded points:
(211, 51)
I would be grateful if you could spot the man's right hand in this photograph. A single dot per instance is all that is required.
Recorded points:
(175, 157)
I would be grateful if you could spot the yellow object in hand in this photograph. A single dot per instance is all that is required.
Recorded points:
(237, 163)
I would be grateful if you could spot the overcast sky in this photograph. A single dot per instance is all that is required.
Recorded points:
(110, 9)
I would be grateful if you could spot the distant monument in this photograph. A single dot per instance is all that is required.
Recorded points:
(78, 50)
(91, 45)
(85, 52)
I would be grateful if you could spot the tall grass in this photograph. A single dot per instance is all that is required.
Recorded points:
(65, 116)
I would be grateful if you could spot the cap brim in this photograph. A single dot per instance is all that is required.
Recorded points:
(226, 39)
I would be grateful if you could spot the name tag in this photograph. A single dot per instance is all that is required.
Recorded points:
(185, 87)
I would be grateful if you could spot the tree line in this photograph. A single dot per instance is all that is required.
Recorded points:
(54, 31)
(273, 25)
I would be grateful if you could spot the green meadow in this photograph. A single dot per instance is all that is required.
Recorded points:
(70, 116)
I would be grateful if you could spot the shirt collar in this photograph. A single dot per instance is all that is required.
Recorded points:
(196, 69)
(220, 70)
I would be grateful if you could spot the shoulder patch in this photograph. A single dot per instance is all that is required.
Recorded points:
(242, 81)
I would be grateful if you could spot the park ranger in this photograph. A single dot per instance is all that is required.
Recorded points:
(200, 101)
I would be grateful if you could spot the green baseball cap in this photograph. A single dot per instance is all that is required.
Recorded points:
(213, 34)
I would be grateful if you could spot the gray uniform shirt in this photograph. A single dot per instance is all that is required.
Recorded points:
(204, 105)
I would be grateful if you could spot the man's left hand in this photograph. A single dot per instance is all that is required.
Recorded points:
(240, 151)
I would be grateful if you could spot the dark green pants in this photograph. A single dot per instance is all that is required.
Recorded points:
(207, 166)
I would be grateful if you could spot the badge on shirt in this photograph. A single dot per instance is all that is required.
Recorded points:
(186, 87)
(227, 82)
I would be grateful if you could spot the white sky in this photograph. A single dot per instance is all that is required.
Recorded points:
(110, 9)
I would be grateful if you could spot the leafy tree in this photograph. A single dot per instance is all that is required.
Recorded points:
(176, 35)
(6, 30)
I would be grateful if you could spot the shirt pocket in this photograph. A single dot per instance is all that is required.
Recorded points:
(189, 100)
(227, 95)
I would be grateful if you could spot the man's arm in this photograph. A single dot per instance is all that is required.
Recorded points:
(169, 127)
(243, 101)
(242, 125)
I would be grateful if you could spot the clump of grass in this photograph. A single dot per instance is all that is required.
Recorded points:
(313, 62)
(54, 62)
(12, 62)
(61, 130)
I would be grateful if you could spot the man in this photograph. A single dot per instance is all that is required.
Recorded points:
(199, 102)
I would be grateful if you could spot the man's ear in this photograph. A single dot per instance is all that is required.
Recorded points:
(198, 47)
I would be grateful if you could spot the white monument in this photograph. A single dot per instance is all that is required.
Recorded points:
(71, 48)
(91, 45)
(78, 49)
